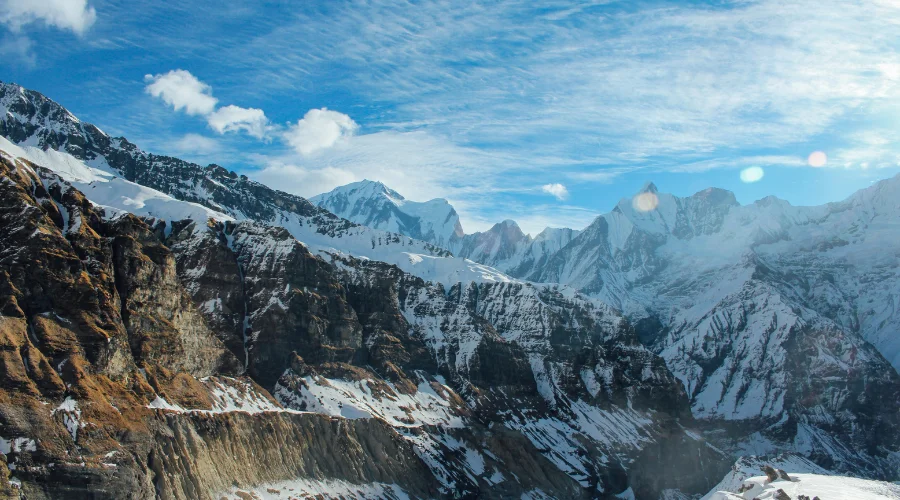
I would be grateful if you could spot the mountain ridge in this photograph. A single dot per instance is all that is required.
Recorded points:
(724, 350)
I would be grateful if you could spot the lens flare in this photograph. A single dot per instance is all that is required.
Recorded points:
(645, 202)
(817, 159)
(752, 174)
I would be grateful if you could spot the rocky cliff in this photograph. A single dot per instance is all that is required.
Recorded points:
(124, 334)
(183, 317)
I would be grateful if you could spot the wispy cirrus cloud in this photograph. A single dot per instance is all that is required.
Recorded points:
(517, 95)
(598, 92)
(660, 79)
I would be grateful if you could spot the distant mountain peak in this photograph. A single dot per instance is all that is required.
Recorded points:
(716, 196)
(374, 204)
(649, 187)
(507, 223)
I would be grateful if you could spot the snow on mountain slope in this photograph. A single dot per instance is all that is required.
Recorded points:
(108, 190)
(750, 466)
(313, 488)
(375, 205)
(810, 486)
(762, 311)
(82, 154)
(758, 311)
(497, 386)
(504, 246)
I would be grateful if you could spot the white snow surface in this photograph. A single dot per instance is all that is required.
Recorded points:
(17, 445)
(228, 395)
(106, 189)
(71, 416)
(811, 485)
(375, 205)
(369, 398)
(316, 488)
(751, 466)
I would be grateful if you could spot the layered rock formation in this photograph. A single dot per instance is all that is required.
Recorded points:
(99, 333)
(188, 333)
(115, 323)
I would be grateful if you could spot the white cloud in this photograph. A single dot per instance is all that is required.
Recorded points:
(196, 144)
(319, 129)
(74, 15)
(233, 118)
(183, 91)
(420, 166)
(557, 190)
(441, 168)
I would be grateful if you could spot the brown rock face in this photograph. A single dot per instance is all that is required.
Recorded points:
(95, 324)
(262, 284)
(103, 316)
(163, 325)
(195, 454)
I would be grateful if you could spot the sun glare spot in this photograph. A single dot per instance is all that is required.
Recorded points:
(645, 202)
(752, 174)
(817, 159)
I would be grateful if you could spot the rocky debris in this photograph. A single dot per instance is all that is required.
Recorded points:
(774, 474)
(781, 495)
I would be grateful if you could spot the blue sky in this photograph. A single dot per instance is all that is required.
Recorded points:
(545, 114)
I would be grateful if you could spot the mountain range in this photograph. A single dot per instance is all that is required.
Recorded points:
(504, 246)
(180, 331)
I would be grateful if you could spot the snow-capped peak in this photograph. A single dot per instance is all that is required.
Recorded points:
(364, 189)
(648, 187)
(373, 204)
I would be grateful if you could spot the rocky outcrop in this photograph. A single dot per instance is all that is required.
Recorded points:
(196, 455)
(96, 330)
